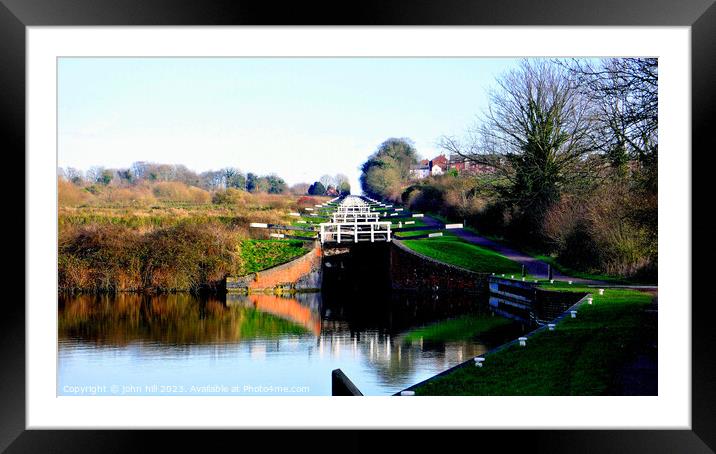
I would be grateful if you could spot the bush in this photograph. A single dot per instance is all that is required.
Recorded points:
(604, 232)
(179, 192)
(130, 195)
(70, 195)
(186, 256)
(229, 196)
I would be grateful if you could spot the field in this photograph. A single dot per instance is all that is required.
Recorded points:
(583, 356)
(156, 238)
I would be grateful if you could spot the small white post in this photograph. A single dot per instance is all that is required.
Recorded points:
(407, 393)
(589, 300)
(550, 326)
(523, 341)
(479, 360)
(601, 291)
(574, 314)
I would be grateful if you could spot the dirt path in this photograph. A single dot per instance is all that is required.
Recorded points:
(534, 267)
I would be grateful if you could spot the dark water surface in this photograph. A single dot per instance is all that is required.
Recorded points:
(183, 344)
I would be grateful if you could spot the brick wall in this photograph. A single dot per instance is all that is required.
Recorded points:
(301, 274)
(412, 271)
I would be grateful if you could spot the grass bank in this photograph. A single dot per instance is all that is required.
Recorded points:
(583, 356)
(259, 255)
(461, 328)
(453, 250)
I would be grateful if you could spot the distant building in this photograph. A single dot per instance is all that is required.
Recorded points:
(441, 164)
(439, 161)
(466, 166)
(419, 171)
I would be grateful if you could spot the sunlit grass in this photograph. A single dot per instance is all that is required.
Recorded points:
(452, 250)
(583, 356)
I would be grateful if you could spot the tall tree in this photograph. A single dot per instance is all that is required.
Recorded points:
(624, 95)
(536, 133)
(386, 173)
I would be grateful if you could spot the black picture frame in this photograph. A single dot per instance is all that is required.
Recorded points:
(700, 15)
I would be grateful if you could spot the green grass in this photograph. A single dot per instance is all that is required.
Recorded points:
(457, 329)
(581, 274)
(413, 233)
(567, 271)
(453, 250)
(259, 255)
(418, 223)
(583, 356)
(311, 220)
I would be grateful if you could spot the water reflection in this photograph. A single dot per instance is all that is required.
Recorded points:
(267, 343)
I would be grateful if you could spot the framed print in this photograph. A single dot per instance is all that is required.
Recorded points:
(237, 217)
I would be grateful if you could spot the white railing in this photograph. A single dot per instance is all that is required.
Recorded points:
(353, 209)
(354, 232)
(355, 217)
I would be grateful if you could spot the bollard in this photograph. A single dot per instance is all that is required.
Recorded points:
(512, 276)
(569, 282)
(589, 300)
(523, 278)
(407, 393)
(479, 360)
(523, 341)
(550, 326)
(551, 281)
(574, 314)
(601, 291)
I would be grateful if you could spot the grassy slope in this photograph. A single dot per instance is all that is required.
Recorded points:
(258, 255)
(452, 250)
(583, 356)
(461, 328)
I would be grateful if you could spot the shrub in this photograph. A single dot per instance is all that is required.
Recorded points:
(179, 192)
(70, 195)
(229, 196)
(185, 256)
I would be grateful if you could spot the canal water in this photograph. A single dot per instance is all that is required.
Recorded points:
(184, 344)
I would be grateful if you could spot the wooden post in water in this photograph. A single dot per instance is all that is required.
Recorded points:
(342, 386)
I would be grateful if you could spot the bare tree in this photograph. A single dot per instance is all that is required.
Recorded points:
(536, 134)
(624, 96)
(327, 180)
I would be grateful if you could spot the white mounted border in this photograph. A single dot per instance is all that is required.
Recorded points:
(671, 409)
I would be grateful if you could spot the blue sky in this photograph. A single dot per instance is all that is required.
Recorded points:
(297, 117)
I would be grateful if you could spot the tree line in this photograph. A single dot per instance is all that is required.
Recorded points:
(140, 172)
(573, 148)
